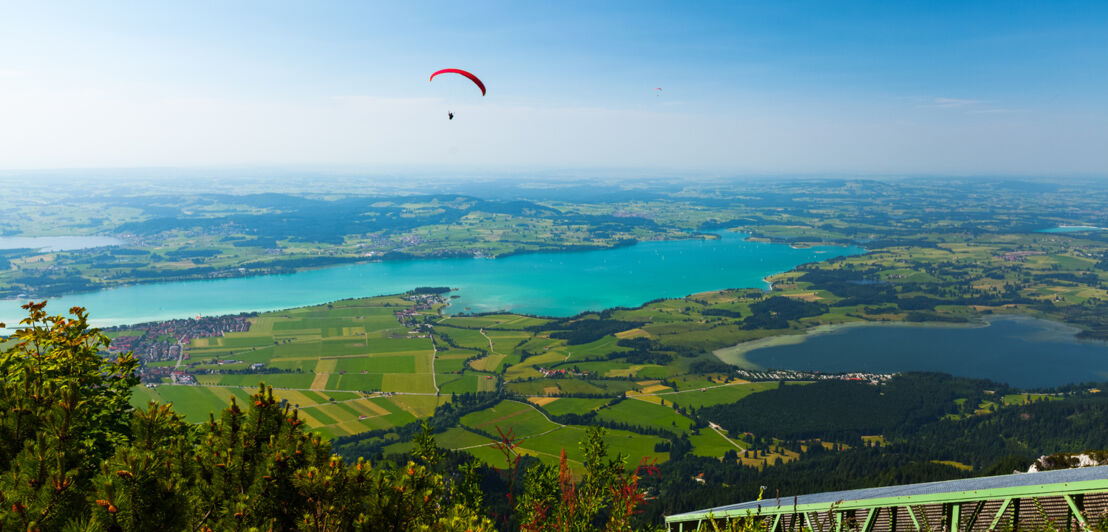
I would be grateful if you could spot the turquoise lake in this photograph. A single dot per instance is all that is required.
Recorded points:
(549, 284)
(1021, 351)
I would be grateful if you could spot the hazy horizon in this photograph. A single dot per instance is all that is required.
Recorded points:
(519, 174)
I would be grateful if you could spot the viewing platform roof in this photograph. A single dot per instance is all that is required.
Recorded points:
(1063, 484)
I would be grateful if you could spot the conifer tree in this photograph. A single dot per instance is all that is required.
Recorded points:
(144, 486)
(63, 409)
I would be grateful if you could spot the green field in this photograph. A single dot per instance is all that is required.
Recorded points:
(496, 321)
(343, 418)
(193, 402)
(719, 395)
(522, 419)
(571, 405)
(548, 447)
(456, 438)
(544, 439)
(644, 414)
(711, 443)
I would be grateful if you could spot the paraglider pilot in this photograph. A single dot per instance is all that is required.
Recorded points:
(478, 82)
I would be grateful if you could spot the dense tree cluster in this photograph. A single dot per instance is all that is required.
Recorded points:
(583, 331)
(430, 290)
(642, 351)
(775, 312)
(845, 410)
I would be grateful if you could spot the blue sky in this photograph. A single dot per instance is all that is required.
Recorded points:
(748, 88)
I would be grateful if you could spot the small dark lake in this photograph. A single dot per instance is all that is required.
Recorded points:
(1025, 352)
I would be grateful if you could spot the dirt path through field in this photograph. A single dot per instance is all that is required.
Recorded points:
(724, 436)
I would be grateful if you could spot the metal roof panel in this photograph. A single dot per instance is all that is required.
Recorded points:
(1015, 480)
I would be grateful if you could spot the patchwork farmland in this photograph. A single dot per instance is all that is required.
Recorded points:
(349, 366)
(361, 368)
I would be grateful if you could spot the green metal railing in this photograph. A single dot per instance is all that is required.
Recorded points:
(1062, 506)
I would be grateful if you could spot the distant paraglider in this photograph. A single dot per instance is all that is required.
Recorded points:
(658, 91)
(471, 77)
(476, 81)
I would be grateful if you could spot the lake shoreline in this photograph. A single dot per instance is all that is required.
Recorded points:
(546, 284)
(276, 268)
(736, 354)
(1026, 351)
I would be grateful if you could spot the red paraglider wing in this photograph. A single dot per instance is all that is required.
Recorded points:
(464, 73)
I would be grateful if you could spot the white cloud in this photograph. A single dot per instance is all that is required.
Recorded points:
(994, 111)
